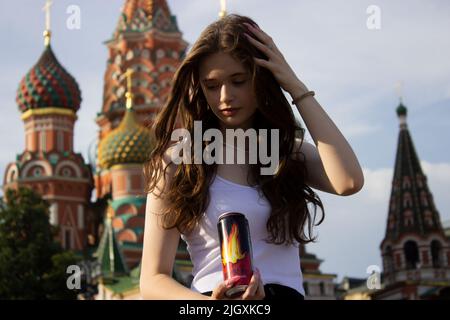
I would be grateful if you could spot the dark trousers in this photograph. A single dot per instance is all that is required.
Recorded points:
(275, 291)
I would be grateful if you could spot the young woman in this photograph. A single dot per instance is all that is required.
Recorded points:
(234, 64)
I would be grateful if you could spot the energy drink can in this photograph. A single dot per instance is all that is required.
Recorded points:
(236, 251)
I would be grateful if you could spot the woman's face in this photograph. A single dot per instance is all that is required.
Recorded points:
(227, 84)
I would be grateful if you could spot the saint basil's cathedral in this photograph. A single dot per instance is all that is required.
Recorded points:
(144, 52)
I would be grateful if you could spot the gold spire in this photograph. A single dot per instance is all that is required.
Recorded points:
(47, 32)
(223, 8)
(129, 94)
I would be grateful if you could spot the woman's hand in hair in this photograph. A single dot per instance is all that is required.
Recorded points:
(276, 62)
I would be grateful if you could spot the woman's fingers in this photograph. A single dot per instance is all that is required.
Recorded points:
(263, 37)
(254, 290)
(252, 287)
(264, 48)
(222, 288)
(260, 293)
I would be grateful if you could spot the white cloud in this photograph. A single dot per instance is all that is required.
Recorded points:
(377, 184)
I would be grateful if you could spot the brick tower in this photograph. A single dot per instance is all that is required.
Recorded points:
(48, 98)
(415, 250)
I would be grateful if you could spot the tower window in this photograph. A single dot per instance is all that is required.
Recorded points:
(411, 252)
(408, 218)
(429, 218)
(406, 183)
(407, 202)
(12, 176)
(423, 199)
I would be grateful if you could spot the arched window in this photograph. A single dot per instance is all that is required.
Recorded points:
(411, 252)
(408, 218)
(407, 201)
(12, 175)
(428, 218)
(38, 171)
(436, 249)
(406, 183)
(423, 198)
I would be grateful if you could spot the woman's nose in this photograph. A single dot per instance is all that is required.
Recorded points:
(226, 94)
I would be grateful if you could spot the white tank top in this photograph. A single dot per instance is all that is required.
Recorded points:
(278, 264)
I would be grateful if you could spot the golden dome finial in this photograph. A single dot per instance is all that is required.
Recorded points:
(47, 32)
(223, 8)
(129, 94)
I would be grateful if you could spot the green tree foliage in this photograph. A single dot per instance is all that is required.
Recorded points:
(32, 264)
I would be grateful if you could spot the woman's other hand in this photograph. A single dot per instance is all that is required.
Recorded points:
(254, 291)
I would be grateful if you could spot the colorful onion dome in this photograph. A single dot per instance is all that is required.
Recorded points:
(129, 143)
(48, 84)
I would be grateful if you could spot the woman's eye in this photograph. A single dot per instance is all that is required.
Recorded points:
(234, 82)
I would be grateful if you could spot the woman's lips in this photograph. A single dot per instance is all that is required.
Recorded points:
(229, 112)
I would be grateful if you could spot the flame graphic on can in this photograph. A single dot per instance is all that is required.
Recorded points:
(231, 249)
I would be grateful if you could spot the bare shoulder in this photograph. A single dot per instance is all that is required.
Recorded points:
(167, 158)
(168, 168)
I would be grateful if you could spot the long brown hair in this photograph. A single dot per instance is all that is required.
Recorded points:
(188, 192)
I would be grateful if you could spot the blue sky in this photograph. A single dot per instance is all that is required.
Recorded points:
(352, 69)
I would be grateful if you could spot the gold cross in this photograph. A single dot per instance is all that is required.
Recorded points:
(46, 8)
(47, 32)
(129, 95)
(129, 74)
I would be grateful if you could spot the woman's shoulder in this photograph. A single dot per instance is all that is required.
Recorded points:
(168, 156)
(165, 167)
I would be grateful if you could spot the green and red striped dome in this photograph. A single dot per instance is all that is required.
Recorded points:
(48, 84)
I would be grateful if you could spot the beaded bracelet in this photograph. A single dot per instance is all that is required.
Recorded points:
(297, 100)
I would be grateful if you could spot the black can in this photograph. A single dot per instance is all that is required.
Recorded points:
(236, 251)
